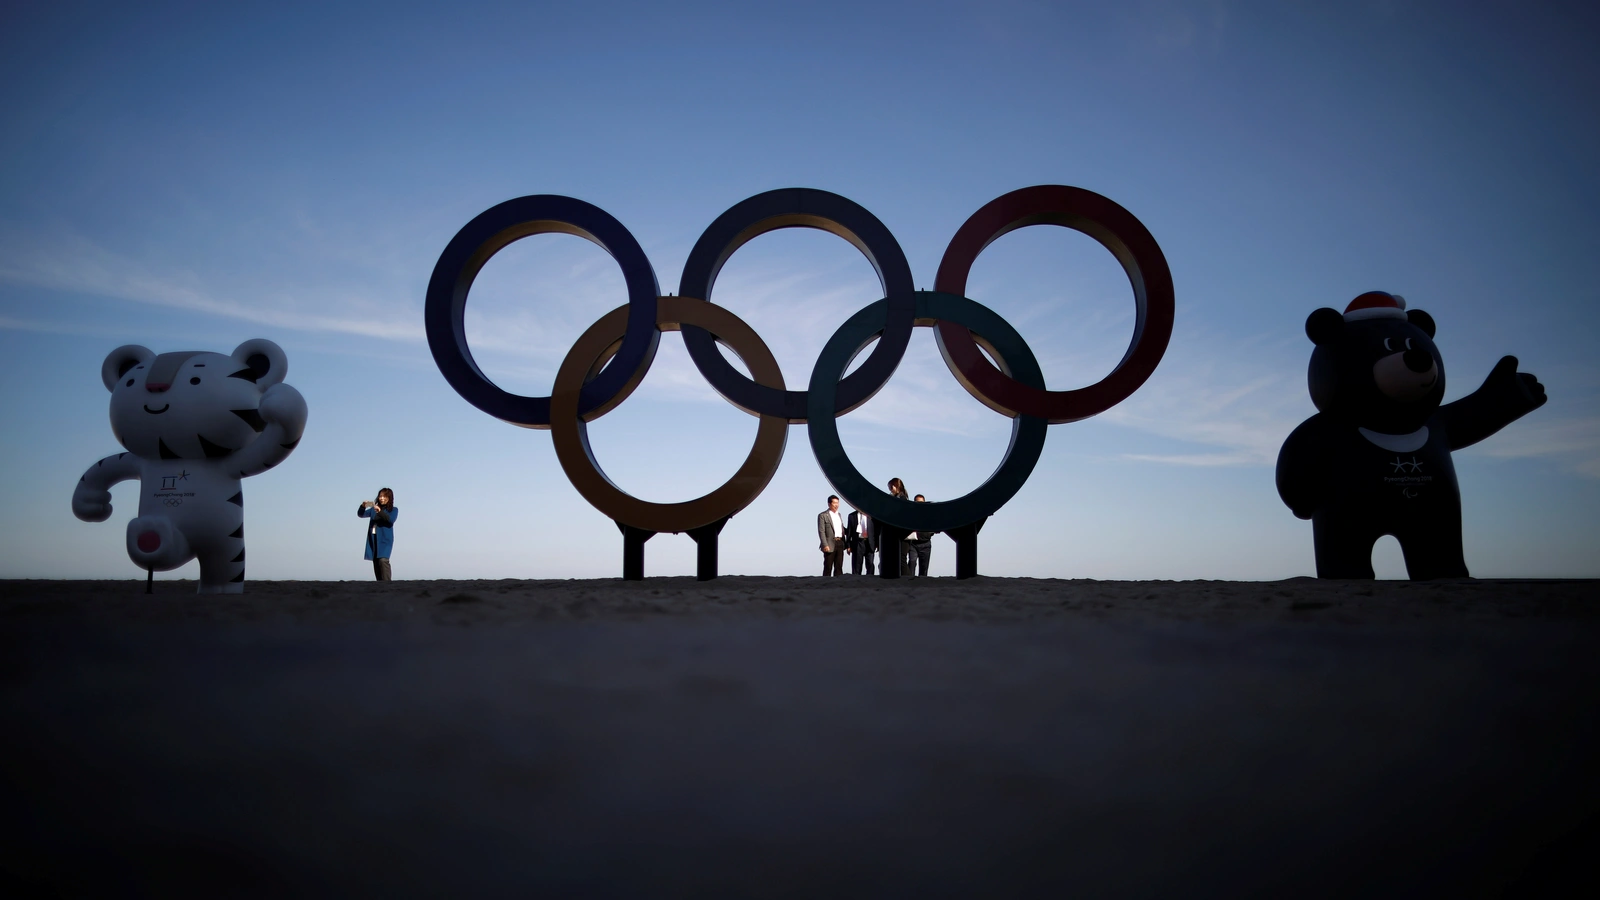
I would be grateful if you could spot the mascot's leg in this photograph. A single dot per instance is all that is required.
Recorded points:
(1344, 545)
(1433, 547)
(154, 542)
(219, 542)
(222, 566)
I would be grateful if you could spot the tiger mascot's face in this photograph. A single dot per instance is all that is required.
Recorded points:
(190, 405)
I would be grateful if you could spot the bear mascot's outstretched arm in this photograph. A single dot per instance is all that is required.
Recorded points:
(1506, 396)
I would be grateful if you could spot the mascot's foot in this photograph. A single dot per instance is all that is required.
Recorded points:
(230, 587)
(155, 543)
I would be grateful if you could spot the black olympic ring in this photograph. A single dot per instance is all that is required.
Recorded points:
(799, 208)
(1027, 432)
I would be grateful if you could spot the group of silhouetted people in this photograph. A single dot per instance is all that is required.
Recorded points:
(857, 534)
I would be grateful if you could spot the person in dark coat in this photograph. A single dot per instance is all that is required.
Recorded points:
(862, 534)
(919, 547)
(380, 534)
(894, 555)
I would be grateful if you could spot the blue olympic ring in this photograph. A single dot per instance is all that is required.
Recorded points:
(489, 233)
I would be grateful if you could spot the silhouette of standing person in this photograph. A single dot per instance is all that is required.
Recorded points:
(862, 534)
(897, 488)
(921, 547)
(830, 536)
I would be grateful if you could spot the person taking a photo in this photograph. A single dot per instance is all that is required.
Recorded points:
(380, 532)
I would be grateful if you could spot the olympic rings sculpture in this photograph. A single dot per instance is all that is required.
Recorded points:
(609, 360)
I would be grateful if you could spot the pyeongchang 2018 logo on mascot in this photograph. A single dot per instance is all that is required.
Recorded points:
(624, 342)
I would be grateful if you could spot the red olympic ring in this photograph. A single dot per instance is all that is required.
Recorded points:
(1118, 231)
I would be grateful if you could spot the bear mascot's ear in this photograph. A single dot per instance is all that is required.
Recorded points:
(264, 362)
(1421, 319)
(120, 360)
(1324, 325)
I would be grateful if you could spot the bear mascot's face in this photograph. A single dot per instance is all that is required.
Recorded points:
(190, 405)
(1379, 371)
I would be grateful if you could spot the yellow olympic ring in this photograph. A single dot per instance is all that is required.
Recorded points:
(571, 437)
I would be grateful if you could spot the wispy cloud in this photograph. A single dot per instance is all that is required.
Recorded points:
(1546, 438)
(1574, 441)
(524, 311)
(69, 262)
(36, 326)
(1242, 399)
(1197, 459)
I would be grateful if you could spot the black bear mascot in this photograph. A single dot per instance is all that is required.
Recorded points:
(1375, 459)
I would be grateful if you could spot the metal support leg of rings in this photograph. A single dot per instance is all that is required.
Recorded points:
(889, 555)
(966, 538)
(705, 539)
(633, 551)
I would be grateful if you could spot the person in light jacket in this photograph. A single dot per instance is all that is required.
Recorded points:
(380, 533)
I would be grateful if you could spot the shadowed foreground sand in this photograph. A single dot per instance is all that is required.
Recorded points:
(798, 737)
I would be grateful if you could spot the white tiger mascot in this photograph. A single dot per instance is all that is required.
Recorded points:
(194, 424)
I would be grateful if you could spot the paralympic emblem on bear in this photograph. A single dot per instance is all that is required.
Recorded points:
(609, 360)
(217, 418)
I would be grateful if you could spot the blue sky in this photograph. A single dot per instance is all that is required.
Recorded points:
(190, 176)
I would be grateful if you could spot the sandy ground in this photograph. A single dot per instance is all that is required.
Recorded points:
(801, 737)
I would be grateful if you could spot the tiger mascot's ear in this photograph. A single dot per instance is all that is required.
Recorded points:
(120, 360)
(264, 362)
